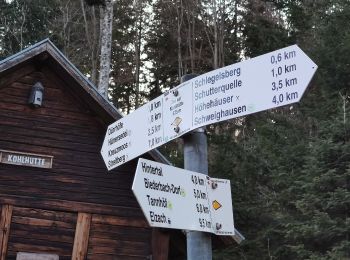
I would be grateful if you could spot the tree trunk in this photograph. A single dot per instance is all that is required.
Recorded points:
(138, 50)
(95, 47)
(91, 38)
(221, 51)
(215, 13)
(179, 9)
(190, 12)
(106, 46)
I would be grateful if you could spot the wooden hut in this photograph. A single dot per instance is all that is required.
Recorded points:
(56, 196)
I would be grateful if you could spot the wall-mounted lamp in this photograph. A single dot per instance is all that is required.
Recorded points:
(36, 95)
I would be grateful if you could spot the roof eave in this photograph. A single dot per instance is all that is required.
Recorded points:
(47, 46)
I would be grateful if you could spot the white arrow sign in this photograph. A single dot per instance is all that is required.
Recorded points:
(275, 79)
(171, 197)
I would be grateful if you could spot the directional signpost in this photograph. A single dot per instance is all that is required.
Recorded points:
(271, 80)
(171, 197)
(181, 199)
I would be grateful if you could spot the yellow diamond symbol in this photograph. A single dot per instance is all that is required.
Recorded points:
(216, 205)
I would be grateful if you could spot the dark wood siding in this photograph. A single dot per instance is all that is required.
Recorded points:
(41, 231)
(46, 201)
(119, 237)
(66, 130)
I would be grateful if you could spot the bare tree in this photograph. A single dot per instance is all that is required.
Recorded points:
(139, 20)
(9, 26)
(106, 21)
(215, 30)
(180, 13)
(91, 35)
(191, 16)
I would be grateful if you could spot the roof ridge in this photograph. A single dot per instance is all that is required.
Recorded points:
(13, 56)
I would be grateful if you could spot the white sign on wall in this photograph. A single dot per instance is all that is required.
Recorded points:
(171, 197)
(268, 81)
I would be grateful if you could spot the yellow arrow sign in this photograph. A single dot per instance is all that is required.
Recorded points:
(216, 205)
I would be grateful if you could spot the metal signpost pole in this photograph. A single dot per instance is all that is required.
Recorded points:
(196, 159)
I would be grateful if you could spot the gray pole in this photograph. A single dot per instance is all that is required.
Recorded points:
(196, 159)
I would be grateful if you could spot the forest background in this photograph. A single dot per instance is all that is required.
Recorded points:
(289, 167)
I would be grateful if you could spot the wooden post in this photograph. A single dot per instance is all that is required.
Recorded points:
(5, 222)
(160, 244)
(81, 238)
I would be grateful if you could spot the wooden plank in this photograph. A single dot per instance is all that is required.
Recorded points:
(81, 239)
(71, 156)
(89, 143)
(83, 183)
(160, 244)
(121, 232)
(121, 248)
(24, 138)
(32, 78)
(30, 244)
(63, 155)
(64, 164)
(44, 111)
(73, 206)
(75, 175)
(114, 257)
(18, 89)
(119, 221)
(45, 214)
(41, 222)
(5, 222)
(5, 80)
(51, 130)
(18, 93)
(120, 244)
(60, 237)
(68, 193)
(88, 130)
(23, 247)
(20, 97)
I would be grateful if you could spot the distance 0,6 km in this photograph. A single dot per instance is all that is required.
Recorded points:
(277, 58)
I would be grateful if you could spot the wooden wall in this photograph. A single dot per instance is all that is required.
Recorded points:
(47, 202)
(118, 236)
(36, 230)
